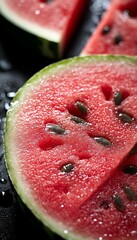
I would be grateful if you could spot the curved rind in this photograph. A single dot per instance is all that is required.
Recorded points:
(21, 189)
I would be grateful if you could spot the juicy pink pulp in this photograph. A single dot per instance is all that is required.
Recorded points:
(81, 198)
(117, 31)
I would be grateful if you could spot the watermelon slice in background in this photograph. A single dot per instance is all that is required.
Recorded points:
(72, 157)
(49, 24)
(117, 31)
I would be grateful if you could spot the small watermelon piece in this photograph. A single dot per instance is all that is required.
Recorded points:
(51, 23)
(117, 31)
(68, 130)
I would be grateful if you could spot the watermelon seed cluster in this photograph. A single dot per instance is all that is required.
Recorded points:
(118, 38)
(127, 189)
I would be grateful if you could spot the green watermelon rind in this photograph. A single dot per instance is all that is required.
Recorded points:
(47, 42)
(19, 186)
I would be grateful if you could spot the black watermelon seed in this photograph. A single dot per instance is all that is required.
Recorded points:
(131, 169)
(6, 198)
(104, 205)
(46, 1)
(81, 107)
(54, 128)
(124, 117)
(133, 150)
(118, 39)
(118, 202)
(118, 98)
(131, 195)
(106, 30)
(77, 119)
(105, 142)
(67, 168)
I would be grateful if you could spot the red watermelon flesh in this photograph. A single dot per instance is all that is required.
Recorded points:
(63, 147)
(117, 31)
(112, 211)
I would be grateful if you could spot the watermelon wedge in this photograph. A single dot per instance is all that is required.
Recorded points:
(50, 24)
(117, 31)
(70, 147)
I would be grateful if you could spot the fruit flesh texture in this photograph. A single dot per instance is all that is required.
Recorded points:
(41, 154)
(117, 31)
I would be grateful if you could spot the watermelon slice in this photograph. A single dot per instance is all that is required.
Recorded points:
(51, 23)
(117, 31)
(64, 152)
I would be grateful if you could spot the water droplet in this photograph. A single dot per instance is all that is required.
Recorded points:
(6, 198)
(11, 95)
(5, 65)
(3, 180)
(7, 106)
(95, 220)
(133, 232)
(66, 231)
(37, 12)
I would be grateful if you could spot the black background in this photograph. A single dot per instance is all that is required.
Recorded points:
(16, 66)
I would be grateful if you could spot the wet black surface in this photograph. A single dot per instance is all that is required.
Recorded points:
(16, 66)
